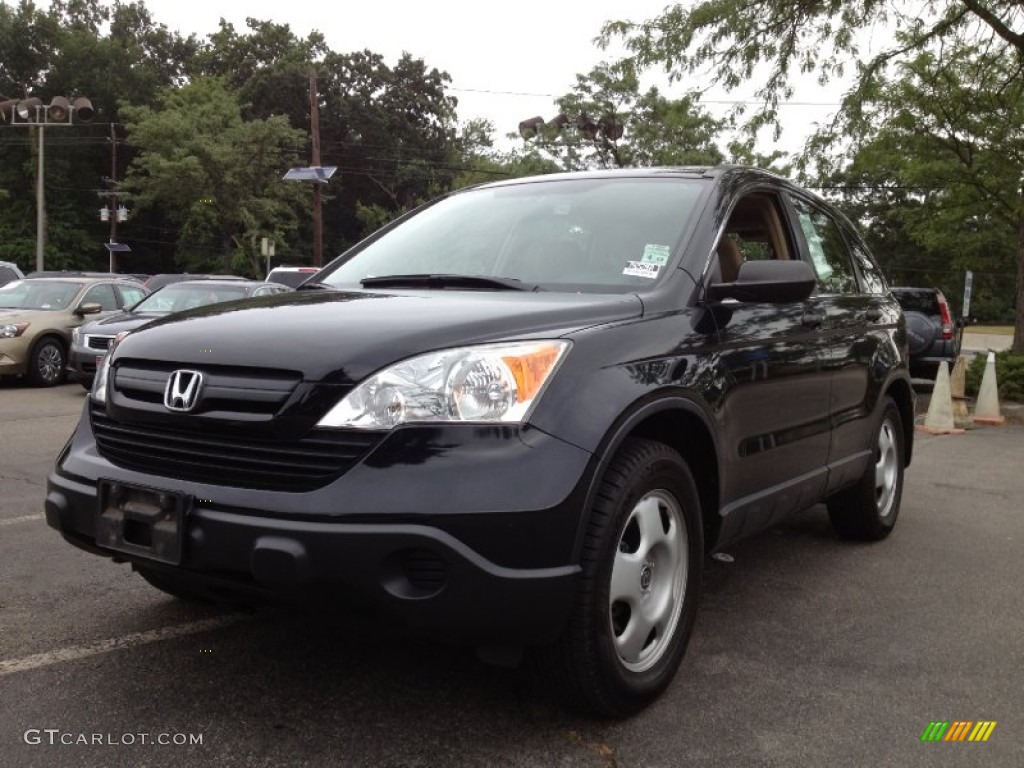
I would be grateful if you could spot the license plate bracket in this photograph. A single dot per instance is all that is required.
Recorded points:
(142, 521)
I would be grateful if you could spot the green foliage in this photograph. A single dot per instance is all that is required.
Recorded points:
(948, 136)
(655, 130)
(1009, 376)
(216, 174)
(937, 184)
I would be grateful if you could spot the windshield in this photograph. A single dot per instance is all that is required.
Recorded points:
(591, 235)
(180, 296)
(38, 295)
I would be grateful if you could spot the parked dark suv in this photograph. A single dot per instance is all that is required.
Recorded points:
(932, 334)
(519, 416)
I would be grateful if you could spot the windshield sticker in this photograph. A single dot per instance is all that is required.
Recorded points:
(656, 254)
(642, 269)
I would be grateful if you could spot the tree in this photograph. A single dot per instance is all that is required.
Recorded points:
(941, 176)
(732, 41)
(217, 174)
(109, 53)
(612, 124)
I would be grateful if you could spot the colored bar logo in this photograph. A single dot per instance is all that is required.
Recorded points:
(958, 730)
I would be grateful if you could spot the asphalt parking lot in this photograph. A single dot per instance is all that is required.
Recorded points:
(808, 651)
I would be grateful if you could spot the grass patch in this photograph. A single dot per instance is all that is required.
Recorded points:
(998, 330)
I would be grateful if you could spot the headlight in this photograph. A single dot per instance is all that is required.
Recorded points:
(491, 383)
(12, 330)
(99, 382)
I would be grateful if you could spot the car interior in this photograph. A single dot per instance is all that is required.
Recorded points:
(754, 232)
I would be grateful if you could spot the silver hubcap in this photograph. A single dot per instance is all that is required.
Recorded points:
(886, 469)
(648, 581)
(50, 362)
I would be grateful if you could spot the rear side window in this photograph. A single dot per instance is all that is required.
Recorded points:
(828, 250)
(924, 301)
(102, 294)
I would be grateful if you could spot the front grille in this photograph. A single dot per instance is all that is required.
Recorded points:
(227, 391)
(98, 342)
(303, 464)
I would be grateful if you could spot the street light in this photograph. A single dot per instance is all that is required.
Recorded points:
(30, 112)
(608, 127)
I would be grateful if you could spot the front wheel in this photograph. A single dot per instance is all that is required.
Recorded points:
(46, 363)
(867, 511)
(641, 573)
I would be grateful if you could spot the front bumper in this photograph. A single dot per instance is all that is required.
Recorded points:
(82, 362)
(471, 542)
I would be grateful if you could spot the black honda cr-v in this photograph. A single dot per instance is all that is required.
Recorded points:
(520, 415)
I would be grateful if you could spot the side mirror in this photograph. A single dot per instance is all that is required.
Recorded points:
(88, 309)
(767, 282)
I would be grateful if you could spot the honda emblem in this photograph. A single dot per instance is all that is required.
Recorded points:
(182, 390)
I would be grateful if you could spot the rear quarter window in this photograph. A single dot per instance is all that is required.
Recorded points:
(923, 301)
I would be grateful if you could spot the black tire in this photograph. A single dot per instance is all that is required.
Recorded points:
(613, 660)
(46, 363)
(172, 585)
(867, 510)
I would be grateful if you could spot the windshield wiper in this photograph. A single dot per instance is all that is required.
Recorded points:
(447, 281)
(315, 287)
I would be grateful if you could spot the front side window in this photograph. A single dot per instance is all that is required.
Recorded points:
(829, 254)
(589, 235)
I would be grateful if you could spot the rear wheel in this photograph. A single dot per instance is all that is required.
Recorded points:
(867, 511)
(46, 363)
(641, 573)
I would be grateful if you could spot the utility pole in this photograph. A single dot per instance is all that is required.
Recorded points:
(314, 126)
(113, 198)
(40, 203)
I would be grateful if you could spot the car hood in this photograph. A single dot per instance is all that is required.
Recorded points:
(48, 317)
(115, 324)
(342, 337)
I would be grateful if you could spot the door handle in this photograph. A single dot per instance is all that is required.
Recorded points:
(812, 318)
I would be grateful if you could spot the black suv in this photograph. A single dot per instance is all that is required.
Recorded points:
(932, 334)
(520, 415)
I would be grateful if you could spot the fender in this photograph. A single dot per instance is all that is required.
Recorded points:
(638, 412)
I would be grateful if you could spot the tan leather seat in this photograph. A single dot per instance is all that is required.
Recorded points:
(729, 260)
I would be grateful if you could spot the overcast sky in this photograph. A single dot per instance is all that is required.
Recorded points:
(507, 61)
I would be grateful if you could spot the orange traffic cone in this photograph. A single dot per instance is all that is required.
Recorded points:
(986, 410)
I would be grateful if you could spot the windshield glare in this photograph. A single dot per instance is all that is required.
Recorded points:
(177, 297)
(589, 235)
(38, 295)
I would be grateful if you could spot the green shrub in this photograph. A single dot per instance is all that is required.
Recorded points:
(1009, 374)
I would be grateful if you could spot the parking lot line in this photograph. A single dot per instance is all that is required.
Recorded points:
(23, 519)
(76, 652)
